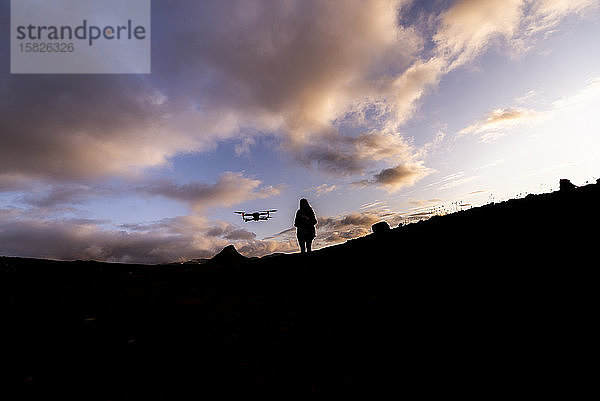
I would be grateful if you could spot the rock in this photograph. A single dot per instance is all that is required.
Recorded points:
(228, 256)
(566, 185)
(380, 227)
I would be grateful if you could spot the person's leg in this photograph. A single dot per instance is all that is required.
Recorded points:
(308, 245)
(302, 245)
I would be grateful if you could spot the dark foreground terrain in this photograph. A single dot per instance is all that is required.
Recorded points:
(499, 300)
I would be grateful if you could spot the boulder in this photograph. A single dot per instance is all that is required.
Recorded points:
(380, 227)
(566, 185)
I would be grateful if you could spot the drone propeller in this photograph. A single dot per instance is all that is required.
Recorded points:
(268, 211)
(242, 213)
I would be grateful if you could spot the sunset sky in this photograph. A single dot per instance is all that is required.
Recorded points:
(372, 110)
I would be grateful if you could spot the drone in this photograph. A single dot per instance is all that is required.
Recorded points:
(256, 216)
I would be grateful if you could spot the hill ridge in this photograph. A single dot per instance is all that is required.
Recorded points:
(498, 299)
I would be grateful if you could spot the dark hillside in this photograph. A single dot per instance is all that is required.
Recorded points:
(495, 300)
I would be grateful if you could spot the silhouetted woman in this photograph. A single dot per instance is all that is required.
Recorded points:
(305, 223)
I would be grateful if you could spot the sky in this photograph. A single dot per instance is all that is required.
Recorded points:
(371, 110)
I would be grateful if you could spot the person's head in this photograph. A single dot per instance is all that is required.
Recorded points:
(304, 204)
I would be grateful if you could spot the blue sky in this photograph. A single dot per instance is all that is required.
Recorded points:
(382, 110)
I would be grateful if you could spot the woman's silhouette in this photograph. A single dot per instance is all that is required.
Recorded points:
(305, 222)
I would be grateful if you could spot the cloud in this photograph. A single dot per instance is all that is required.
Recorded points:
(11, 182)
(169, 240)
(400, 176)
(500, 121)
(243, 148)
(353, 155)
(230, 189)
(364, 219)
(424, 202)
(488, 165)
(338, 229)
(322, 189)
(244, 67)
(51, 196)
(458, 181)
(394, 178)
(462, 32)
(69, 240)
(289, 68)
(371, 205)
(546, 14)
(412, 84)
(293, 69)
(285, 233)
(266, 247)
(453, 180)
(573, 102)
(230, 232)
(83, 128)
(334, 82)
(467, 28)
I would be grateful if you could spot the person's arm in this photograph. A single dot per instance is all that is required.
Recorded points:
(296, 222)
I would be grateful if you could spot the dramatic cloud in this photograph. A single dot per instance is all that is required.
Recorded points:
(287, 68)
(68, 240)
(230, 189)
(332, 84)
(293, 69)
(467, 28)
(400, 176)
(169, 240)
(332, 230)
(336, 229)
(412, 85)
(394, 178)
(470, 26)
(75, 127)
(353, 155)
(339, 229)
